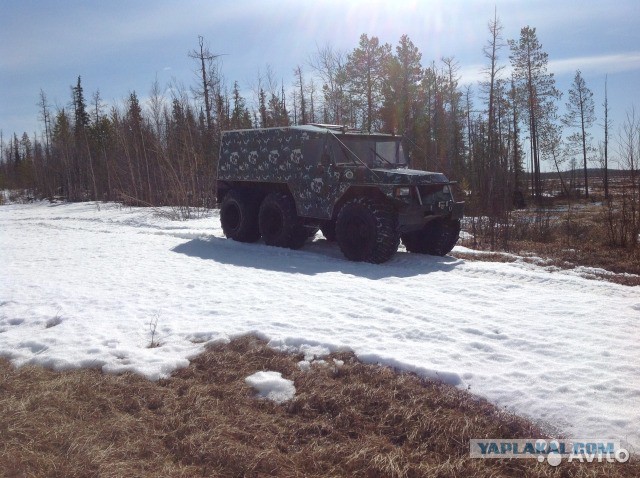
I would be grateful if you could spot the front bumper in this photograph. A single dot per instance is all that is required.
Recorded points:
(415, 217)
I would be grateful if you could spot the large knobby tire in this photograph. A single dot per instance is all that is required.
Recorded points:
(239, 216)
(366, 230)
(279, 223)
(436, 238)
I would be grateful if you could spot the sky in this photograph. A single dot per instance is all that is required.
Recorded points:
(120, 46)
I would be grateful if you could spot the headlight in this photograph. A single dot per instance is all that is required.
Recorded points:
(403, 192)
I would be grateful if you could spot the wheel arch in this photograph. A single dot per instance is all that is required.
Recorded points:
(357, 192)
(260, 189)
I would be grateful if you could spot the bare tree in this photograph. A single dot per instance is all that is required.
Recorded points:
(329, 65)
(605, 152)
(45, 116)
(157, 103)
(300, 85)
(205, 59)
(492, 71)
(452, 125)
(623, 210)
(311, 89)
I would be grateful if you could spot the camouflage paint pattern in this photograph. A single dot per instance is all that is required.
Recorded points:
(293, 156)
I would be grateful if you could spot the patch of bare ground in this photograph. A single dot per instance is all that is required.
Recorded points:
(618, 265)
(353, 420)
(577, 235)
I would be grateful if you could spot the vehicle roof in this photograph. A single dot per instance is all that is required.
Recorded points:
(320, 128)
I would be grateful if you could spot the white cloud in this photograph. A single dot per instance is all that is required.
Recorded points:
(473, 74)
(613, 63)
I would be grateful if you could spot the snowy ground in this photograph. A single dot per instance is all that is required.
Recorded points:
(83, 285)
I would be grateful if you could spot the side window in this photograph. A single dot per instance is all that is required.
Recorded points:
(347, 151)
(361, 150)
(340, 153)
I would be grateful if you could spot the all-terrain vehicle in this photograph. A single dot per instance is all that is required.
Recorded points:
(283, 184)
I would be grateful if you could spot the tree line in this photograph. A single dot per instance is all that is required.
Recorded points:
(492, 137)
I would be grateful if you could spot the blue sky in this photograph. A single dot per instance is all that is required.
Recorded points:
(119, 46)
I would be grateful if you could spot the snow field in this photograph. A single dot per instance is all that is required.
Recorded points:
(89, 286)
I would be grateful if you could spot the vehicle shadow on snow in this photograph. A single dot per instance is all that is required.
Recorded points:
(316, 257)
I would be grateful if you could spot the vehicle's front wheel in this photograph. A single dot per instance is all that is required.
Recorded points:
(279, 224)
(239, 216)
(436, 238)
(366, 230)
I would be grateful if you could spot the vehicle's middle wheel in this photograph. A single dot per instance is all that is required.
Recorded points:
(279, 223)
(366, 230)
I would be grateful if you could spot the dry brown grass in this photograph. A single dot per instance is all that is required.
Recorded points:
(566, 234)
(621, 266)
(356, 420)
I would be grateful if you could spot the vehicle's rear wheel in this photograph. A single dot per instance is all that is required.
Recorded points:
(437, 238)
(279, 224)
(366, 230)
(239, 216)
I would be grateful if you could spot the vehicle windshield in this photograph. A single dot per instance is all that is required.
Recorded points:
(374, 152)
(389, 152)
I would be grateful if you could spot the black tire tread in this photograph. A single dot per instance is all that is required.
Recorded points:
(293, 234)
(247, 204)
(385, 238)
(437, 238)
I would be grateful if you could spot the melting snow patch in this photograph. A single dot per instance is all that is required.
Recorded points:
(304, 365)
(272, 386)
